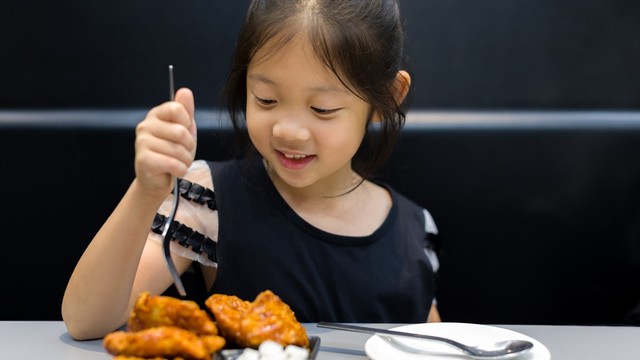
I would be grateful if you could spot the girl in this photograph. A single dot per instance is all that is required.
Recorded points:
(298, 214)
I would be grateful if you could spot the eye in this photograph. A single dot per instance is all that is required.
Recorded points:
(265, 102)
(323, 111)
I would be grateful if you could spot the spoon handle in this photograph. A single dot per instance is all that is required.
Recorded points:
(372, 330)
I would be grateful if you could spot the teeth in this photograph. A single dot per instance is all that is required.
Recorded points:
(296, 157)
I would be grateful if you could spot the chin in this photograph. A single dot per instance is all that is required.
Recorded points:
(295, 181)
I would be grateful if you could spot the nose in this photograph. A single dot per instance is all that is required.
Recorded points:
(291, 130)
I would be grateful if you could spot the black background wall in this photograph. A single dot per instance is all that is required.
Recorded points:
(466, 54)
(563, 199)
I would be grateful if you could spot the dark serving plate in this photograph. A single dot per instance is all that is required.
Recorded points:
(232, 354)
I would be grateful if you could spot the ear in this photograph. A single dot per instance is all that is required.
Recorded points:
(401, 85)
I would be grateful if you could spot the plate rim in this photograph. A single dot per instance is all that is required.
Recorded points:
(542, 352)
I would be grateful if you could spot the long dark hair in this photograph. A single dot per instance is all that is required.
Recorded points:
(360, 41)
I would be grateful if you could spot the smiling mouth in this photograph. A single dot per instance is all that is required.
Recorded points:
(295, 161)
(295, 157)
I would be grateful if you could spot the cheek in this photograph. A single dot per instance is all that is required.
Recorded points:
(345, 139)
(257, 125)
(255, 116)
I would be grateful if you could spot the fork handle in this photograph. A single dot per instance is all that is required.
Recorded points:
(166, 241)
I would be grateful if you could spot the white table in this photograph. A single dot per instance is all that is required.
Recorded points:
(48, 340)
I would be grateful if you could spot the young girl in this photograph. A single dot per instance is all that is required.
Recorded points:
(298, 214)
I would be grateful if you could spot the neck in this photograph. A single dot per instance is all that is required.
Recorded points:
(333, 193)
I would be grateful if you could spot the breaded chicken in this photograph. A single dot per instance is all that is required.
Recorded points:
(122, 357)
(152, 311)
(162, 342)
(250, 324)
(228, 311)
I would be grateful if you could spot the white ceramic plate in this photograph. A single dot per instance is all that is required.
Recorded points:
(470, 334)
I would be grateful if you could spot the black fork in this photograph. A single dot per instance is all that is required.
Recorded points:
(166, 236)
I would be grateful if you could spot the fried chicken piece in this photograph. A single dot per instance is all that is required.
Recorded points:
(270, 318)
(250, 324)
(228, 311)
(162, 342)
(139, 358)
(213, 343)
(151, 311)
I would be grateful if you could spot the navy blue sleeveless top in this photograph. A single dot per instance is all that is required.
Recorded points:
(263, 244)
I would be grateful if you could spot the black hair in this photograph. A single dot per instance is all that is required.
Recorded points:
(360, 41)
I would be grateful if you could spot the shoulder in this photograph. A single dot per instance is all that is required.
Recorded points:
(408, 207)
(426, 225)
(200, 173)
(403, 203)
(204, 172)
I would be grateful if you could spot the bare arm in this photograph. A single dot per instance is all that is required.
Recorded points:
(120, 262)
(434, 314)
(101, 287)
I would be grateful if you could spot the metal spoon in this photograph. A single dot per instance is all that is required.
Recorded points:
(499, 350)
(166, 242)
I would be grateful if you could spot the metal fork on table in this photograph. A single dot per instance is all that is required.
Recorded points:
(166, 236)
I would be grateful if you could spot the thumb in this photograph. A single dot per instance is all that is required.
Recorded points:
(185, 97)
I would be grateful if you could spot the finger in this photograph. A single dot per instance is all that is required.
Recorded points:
(165, 130)
(155, 170)
(171, 111)
(151, 164)
(185, 97)
(148, 143)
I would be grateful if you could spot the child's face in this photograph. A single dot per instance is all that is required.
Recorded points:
(302, 120)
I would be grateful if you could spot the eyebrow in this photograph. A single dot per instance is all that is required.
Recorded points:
(320, 88)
